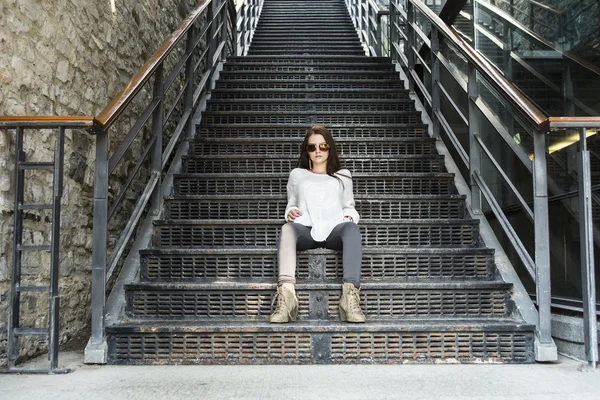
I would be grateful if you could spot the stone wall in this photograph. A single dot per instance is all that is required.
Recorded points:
(65, 57)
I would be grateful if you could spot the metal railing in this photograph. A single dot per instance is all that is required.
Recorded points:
(471, 104)
(161, 100)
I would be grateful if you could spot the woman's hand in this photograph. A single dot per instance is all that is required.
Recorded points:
(348, 218)
(293, 214)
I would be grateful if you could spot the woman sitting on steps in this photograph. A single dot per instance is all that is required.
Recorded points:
(320, 213)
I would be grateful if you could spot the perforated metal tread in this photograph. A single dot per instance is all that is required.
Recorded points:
(378, 264)
(267, 164)
(379, 300)
(408, 233)
(393, 183)
(400, 131)
(309, 105)
(291, 146)
(273, 206)
(323, 342)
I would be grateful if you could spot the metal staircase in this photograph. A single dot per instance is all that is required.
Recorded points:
(430, 288)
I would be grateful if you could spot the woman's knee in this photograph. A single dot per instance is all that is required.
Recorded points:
(351, 231)
(288, 230)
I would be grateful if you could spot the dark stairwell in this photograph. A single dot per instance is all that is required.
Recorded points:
(431, 291)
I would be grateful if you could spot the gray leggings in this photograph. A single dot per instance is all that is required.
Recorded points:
(345, 236)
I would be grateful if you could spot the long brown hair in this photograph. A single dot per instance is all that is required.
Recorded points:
(333, 160)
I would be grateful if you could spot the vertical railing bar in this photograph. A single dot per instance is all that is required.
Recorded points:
(189, 77)
(15, 296)
(158, 127)
(436, 94)
(588, 281)
(96, 351)
(542, 237)
(59, 154)
(410, 57)
(474, 131)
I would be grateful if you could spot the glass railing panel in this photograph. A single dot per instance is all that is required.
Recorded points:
(564, 206)
(557, 83)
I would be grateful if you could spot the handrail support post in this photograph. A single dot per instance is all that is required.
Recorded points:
(545, 349)
(586, 226)
(435, 79)
(158, 132)
(410, 44)
(96, 350)
(474, 131)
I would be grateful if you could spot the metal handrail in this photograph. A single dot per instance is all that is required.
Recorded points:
(43, 122)
(116, 106)
(534, 115)
(406, 51)
(578, 60)
(228, 27)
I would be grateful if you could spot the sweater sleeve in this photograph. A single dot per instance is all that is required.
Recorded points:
(348, 197)
(292, 193)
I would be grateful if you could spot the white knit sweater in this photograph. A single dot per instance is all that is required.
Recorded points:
(322, 200)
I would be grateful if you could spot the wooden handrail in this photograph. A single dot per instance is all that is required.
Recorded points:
(574, 122)
(79, 121)
(124, 97)
(522, 103)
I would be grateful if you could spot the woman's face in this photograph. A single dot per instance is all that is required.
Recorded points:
(318, 156)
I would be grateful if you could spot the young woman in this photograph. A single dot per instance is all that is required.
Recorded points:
(320, 213)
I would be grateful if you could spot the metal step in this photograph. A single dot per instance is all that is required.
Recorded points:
(273, 207)
(313, 118)
(291, 146)
(378, 264)
(309, 75)
(304, 59)
(389, 131)
(380, 184)
(274, 163)
(318, 301)
(230, 66)
(314, 85)
(444, 233)
(317, 95)
(401, 341)
(305, 105)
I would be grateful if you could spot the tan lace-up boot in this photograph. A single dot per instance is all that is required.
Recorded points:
(287, 304)
(350, 304)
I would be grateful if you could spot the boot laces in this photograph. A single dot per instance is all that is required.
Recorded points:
(280, 299)
(354, 299)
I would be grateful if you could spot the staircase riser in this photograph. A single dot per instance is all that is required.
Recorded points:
(274, 94)
(455, 235)
(312, 85)
(310, 348)
(379, 304)
(366, 148)
(348, 68)
(198, 165)
(325, 268)
(340, 133)
(210, 186)
(273, 209)
(326, 120)
(306, 76)
(303, 108)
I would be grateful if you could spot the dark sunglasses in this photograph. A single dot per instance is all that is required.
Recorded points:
(313, 147)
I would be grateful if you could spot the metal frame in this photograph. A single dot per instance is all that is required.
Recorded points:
(403, 33)
(15, 329)
(226, 28)
(219, 33)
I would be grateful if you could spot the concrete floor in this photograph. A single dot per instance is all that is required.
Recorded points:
(562, 380)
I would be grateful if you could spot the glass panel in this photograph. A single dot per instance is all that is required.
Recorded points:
(563, 145)
(531, 51)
